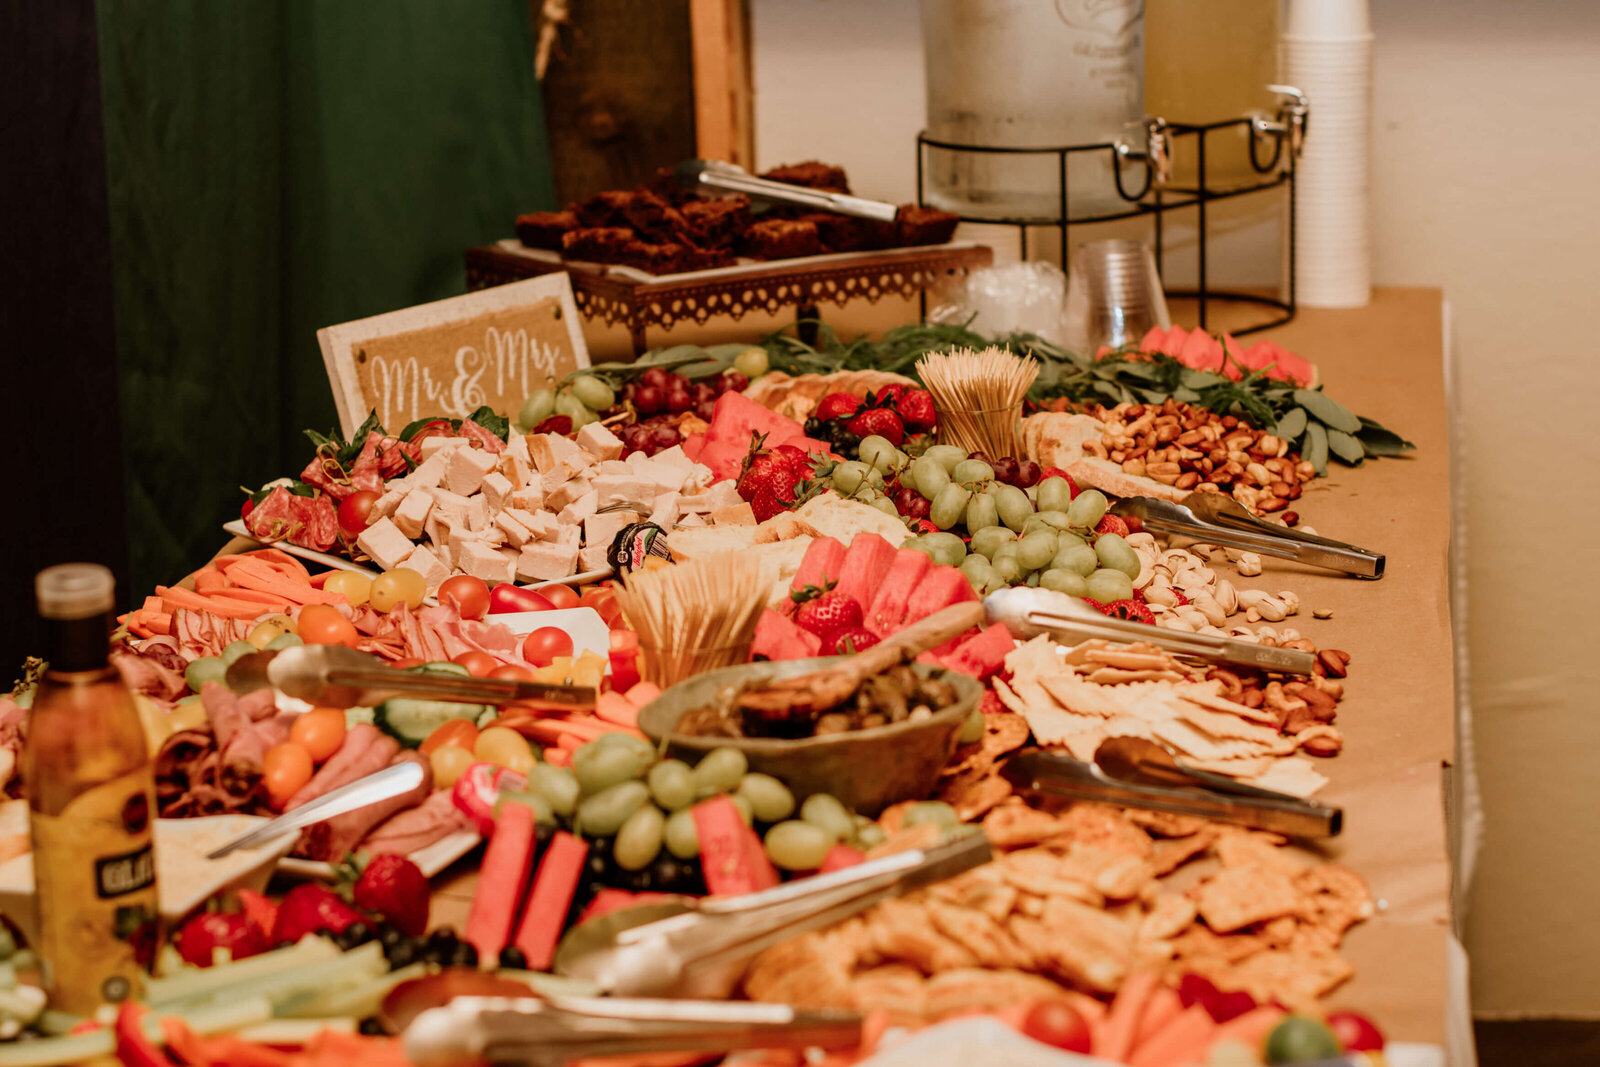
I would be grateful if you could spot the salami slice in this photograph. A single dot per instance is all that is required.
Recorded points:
(325, 473)
(367, 470)
(483, 438)
(316, 522)
(273, 519)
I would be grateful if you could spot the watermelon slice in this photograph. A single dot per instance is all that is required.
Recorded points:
(731, 854)
(693, 445)
(551, 898)
(942, 587)
(501, 881)
(1153, 340)
(820, 565)
(982, 655)
(889, 606)
(736, 417)
(866, 565)
(778, 638)
(841, 856)
(1200, 351)
(1173, 343)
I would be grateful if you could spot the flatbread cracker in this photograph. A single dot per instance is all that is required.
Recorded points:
(1295, 776)
(1221, 724)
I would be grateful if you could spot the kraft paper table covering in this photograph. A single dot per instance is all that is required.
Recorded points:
(1384, 361)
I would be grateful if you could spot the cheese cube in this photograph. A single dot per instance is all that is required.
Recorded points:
(430, 472)
(724, 495)
(698, 478)
(740, 514)
(384, 506)
(384, 542)
(517, 448)
(515, 532)
(691, 520)
(565, 493)
(612, 466)
(580, 509)
(600, 442)
(450, 507)
(477, 512)
(431, 446)
(593, 558)
(601, 529)
(565, 470)
(484, 561)
(438, 531)
(569, 535)
(663, 476)
(541, 524)
(673, 457)
(468, 468)
(428, 565)
(543, 561)
(547, 450)
(664, 512)
(528, 498)
(516, 469)
(626, 489)
(496, 490)
(413, 512)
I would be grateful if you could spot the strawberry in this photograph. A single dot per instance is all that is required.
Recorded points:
(836, 406)
(396, 889)
(1135, 524)
(259, 909)
(921, 526)
(855, 639)
(795, 458)
(880, 421)
(310, 909)
(889, 395)
(767, 480)
(202, 935)
(1131, 610)
(1112, 524)
(826, 614)
(916, 410)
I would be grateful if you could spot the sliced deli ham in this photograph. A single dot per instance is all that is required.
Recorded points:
(329, 841)
(416, 828)
(365, 750)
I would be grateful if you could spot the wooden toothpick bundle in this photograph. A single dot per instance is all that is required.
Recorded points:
(979, 397)
(694, 616)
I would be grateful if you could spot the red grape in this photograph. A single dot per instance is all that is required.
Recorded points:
(1028, 473)
(706, 409)
(733, 381)
(678, 400)
(703, 391)
(982, 457)
(911, 503)
(1005, 470)
(664, 437)
(655, 376)
(650, 398)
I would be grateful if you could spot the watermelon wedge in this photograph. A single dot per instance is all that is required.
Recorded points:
(866, 565)
(1201, 352)
(501, 881)
(731, 854)
(983, 654)
(1173, 343)
(1153, 339)
(778, 638)
(942, 587)
(693, 445)
(736, 417)
(821, 563)
(554, 885)
(888, 608)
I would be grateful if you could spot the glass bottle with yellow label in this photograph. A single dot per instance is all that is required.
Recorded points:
(91, 791)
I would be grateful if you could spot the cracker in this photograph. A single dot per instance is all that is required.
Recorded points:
(1168, 856)
(1236, 847)
(1172, 915)
(1119, 675)
(1295, 776)
(1239, 896)
(1208, 695)
(1222, 725)
(1166, 823)
(1191, 741)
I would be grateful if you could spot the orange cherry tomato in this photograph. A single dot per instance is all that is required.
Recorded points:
(322, 624)
(512, 672)
(455, 733)
(478, 664)
(560, 596)
(541, 647)
(285, 769)
(319, 731)
(407, 663)
(469, 595)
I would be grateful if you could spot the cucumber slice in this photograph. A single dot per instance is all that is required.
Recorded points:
(442, 666)
(411, 721)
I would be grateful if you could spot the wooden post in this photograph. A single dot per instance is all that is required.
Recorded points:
(724, 128)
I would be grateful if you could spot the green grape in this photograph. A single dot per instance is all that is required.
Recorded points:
(752, 362)
(797, 845)
(997, 583)
(1053, 494)
(558, 785)
(231, 654)
(875, 479)
(1065, 538)
(950, 506)
(877, 452)
(595, 394)
(682, 836)
(571, 406)
(848, 476)
(972, 470)
(1012, 504)
(919, 544)
(1036, 550)
(987, 541)
(977, 570)
(885, 505)
(902, 460)
(1080, 559)
(603, 814)
(203, 670)
(825, 810)
(936, 812)
(543, 813)
(1032, 580)
(1117, 554)
(719, 771)
(870, 836)
(929, 476)
(1088, 509)
(1056, 520)
(982, 513)
(672, 784)
(540, 405)
(746, 812)
(971, 728)
(639, 841)
(948, 549)
(283, 641)
(769, 799)
(947, 456)
(1007, 568)
(600, 766)
(1106, 585)
(1064, 581)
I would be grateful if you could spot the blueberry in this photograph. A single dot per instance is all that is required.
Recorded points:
(513, 959)
(443, 940)
(372, 1028)
(389, 934)
(358, 933)
(464, 955)
(403, 953)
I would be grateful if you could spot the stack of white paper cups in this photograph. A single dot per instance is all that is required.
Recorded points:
(1327, 54)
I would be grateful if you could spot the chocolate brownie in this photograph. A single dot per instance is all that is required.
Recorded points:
(654, 219)
(781, 239)
(717, 223)
(664, 258)
(596, 244)
(603, 209)
(847, 233)
(544, 229)
(812, 174)
(705, 258)
(924, 225)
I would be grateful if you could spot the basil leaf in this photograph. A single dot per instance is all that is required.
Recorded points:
(1323, 407)
(498, 425)
(1201, 379)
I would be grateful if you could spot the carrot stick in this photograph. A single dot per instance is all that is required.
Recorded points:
(617, 711)
(253, 574)
(189, 1046)
(570, 742)
(178, 597)
(1163, 1006)
(1115, 1039)
(1183, 1040)
(256, 596)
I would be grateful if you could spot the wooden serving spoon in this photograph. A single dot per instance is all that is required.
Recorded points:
(817, 692)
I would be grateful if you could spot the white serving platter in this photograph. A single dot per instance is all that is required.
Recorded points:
(431, 860)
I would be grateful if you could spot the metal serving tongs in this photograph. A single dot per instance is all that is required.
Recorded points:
(549, 1032)
(726, 177)
(1028, 612)
(342, 677)
(691, 947)
(1221, 520)
(1137, 773)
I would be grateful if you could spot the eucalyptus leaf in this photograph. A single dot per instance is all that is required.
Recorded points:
(1292, 424)
(1323, 407)
(1201, 379)
(1184, 395)
(1381, 442)
(1346, 448)
(1315, 448)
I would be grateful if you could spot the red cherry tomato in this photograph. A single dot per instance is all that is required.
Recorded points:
(246, 508)
(595, 596)
(321, 624)
(468, 595)
(1355, 1032)
(511, 672)
(507, 598)
(1057, 1023)
(478, 664)
(407, 663)
(541, 647)
(355, 511)
(560, 596)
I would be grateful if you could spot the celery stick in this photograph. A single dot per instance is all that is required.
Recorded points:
(362, 1000)
(294, 1031)
(358, 965)
(211, 1019)
(56, 1022)
(208, 982)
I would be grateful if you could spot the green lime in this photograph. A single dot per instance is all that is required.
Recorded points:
(1299, 1039)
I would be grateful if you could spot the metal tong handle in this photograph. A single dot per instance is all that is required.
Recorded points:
(732, 179)
(1259, 808)
(462, 689)
(393, 780)
(554, 1030)
(1253, 535)
(1200, 646)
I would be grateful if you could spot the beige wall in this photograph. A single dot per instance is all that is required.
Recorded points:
(1485, 170)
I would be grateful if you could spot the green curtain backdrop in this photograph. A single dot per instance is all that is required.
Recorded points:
(276, 167)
